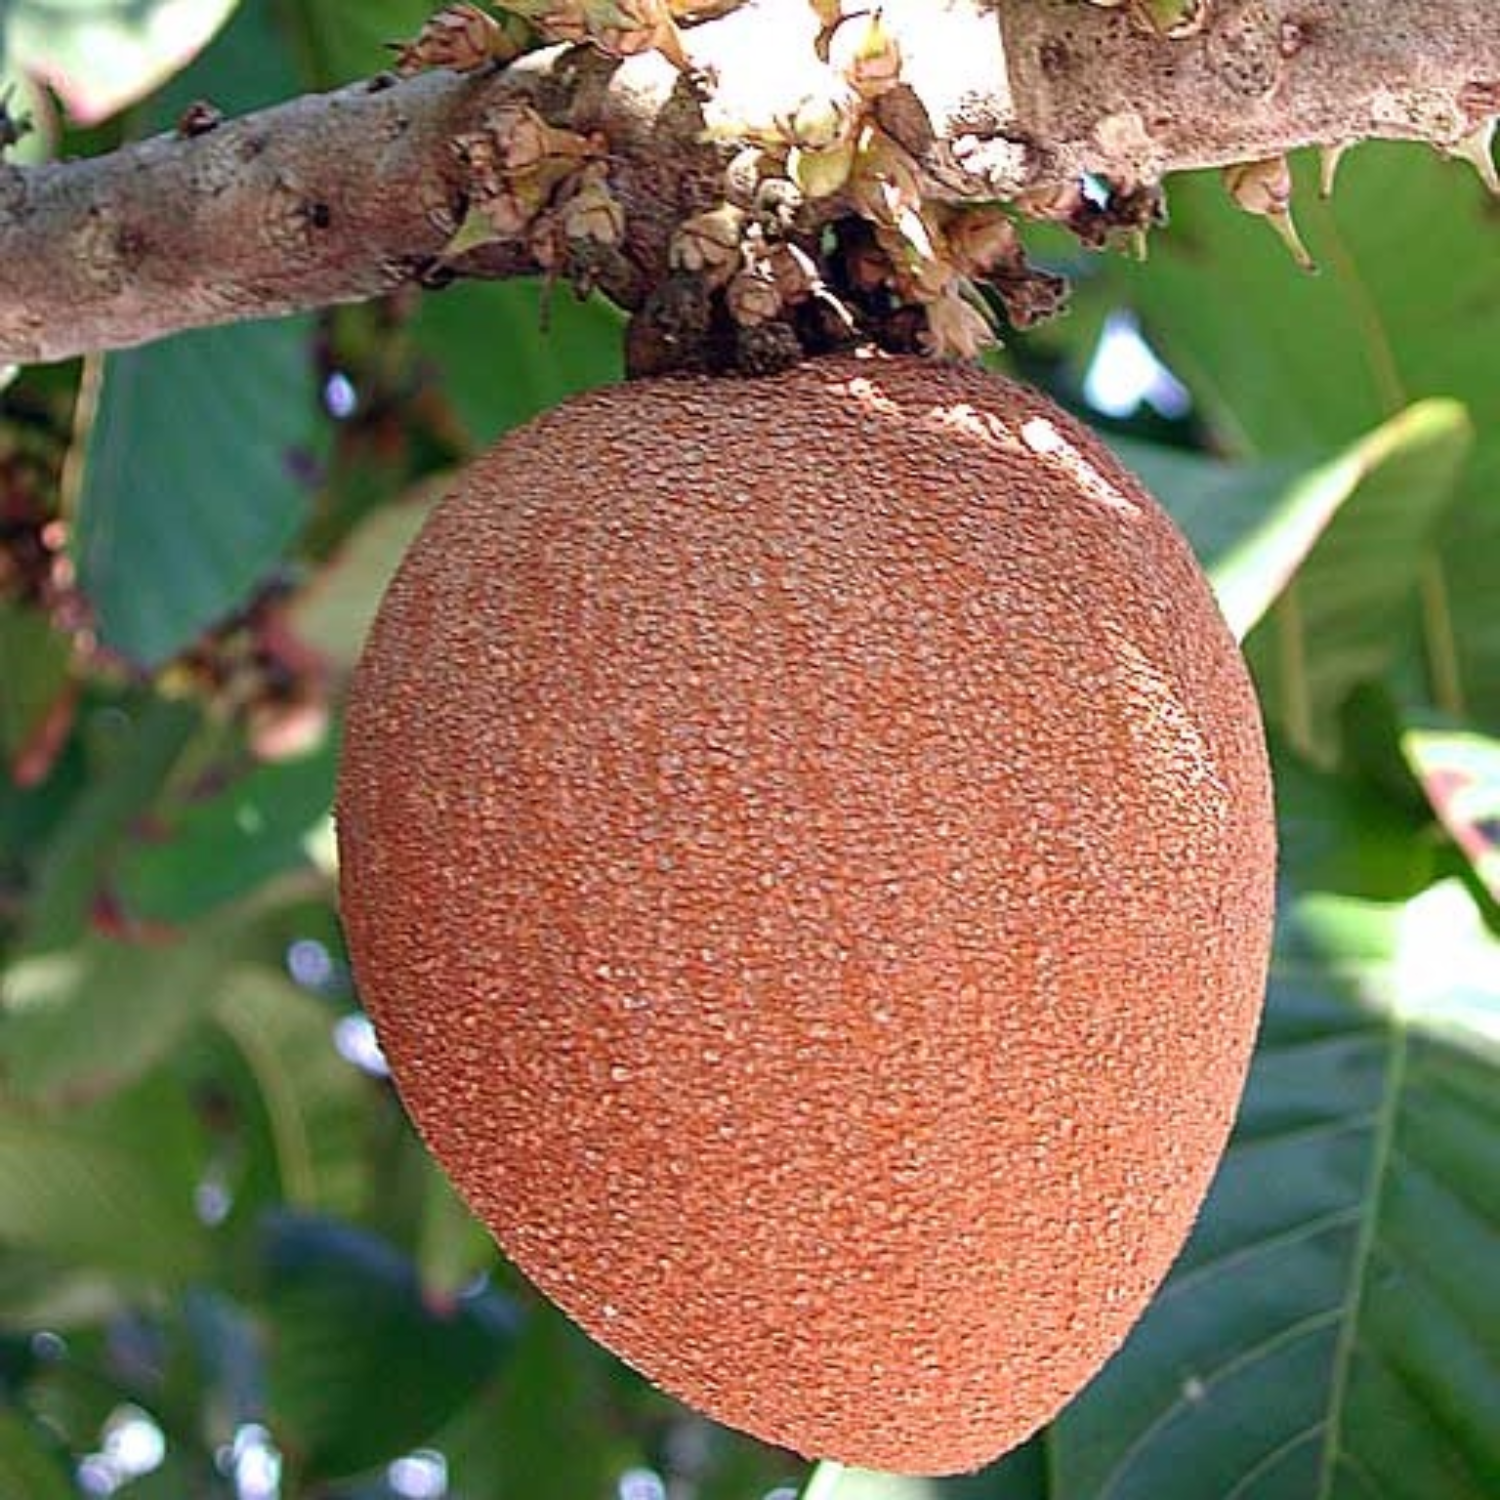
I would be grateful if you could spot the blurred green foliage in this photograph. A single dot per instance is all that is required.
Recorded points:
(224, 1259)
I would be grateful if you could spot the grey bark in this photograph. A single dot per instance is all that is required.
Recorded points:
(340, 197)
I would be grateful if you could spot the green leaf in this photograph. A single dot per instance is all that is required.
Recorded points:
(83, 1021)
(1254, 525)
(1352, 610)
(1023, 1475)
(341, 42)
(1288, 363)
(1332, 1331)
(31, 1464)
(36, 1293)
(334, 613)
(362, 1369)
(247, 66)
(1338, 833)
(453, 1247)
(220, 849)
(109, 1188)
(33, 676)
(317, 1105)
(831, 1481)
(131, 748)
(499, 365)
(101, 55)
(563, 1438)
(191, 489)
(173, 1480)
(1460, 772)
(1249, 524)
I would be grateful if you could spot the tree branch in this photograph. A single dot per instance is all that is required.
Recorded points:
(340, 197)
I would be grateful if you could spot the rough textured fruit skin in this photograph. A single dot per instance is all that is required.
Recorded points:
(807, 850)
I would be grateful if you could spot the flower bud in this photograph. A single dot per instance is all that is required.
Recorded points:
(979, 239)
(592, 213)
(752, 297)
(867, 54)
(956, 328)
(1174, 19)
(709, 244)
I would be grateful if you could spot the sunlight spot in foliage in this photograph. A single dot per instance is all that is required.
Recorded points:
(422, 1475)
(354, 1037)
(254, 1464)
(339, 396)
(96, 1477)
(131, 1446)
(641, 1484)
(212, 1201)
(1126, 372)
(1096, 190)
(309, 963)
(48, 1346)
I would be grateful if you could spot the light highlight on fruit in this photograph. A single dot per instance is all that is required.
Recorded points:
(807, 851)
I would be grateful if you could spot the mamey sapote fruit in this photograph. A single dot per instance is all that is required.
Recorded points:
(807, 851)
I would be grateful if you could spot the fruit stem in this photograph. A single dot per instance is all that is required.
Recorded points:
(824, 1481)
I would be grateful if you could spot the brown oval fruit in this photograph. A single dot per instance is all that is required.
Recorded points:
(807, 850)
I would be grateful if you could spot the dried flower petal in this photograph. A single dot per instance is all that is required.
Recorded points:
(752, 297)
(956, 328)
(864, 50)
(708, 244)
(1265, 188)
(461, 37)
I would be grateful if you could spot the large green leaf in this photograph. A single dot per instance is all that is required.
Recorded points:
(1288, 362)
(193, 480)
(85, 1020)
(1254, 525)
(453, 1247)
(1353, 611)
(562, 1439)
(316, 1105)
(249, 65)
(496, 361)
(131, 747)
(341, 42)
(361, 1368)
(333, 614)
(36, 1293)
(1338, 832)
(1404, 308)
(33, 677)
(30, 1464)
(1460, 772)
(831, 1481)
(175, 1478)
(101, 55)
(109, 1188)
(1332, 1331)
(215, 849)
(196, 459)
